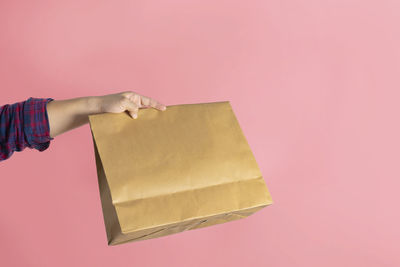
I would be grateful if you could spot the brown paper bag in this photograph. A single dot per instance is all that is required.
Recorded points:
(184, 168)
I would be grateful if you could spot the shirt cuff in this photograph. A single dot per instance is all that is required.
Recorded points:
(36, 123)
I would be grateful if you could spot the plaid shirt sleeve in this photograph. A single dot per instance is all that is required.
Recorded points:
(24, 124)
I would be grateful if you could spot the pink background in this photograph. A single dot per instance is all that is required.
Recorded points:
(315, 87)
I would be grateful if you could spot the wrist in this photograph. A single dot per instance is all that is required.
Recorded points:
(94, 104)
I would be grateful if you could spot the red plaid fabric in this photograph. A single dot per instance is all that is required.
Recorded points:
(24, 124)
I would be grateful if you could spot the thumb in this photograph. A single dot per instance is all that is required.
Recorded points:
(132, 108)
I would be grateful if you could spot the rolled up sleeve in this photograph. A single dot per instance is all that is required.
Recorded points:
(24, 124)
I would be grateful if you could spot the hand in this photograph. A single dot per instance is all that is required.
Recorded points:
(68, 114)
(128, 101)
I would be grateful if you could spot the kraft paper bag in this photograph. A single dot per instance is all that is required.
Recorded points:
(165, 172)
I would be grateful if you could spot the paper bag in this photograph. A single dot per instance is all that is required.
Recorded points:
(165, 172)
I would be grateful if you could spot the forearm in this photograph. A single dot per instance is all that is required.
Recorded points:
(24, 124)
(65, 115)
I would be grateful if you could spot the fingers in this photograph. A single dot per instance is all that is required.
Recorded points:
(150, 102)
(144, 101)
(135, 101)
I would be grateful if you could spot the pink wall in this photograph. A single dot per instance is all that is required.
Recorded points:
(314, 84)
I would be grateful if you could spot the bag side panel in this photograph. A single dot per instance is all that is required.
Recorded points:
(112, 226)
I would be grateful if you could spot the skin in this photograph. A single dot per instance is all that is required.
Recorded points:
(65, 115)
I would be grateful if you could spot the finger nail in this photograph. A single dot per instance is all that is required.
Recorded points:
(164, 108)
(134, 116)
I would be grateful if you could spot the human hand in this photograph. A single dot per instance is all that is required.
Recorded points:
(127, 101)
